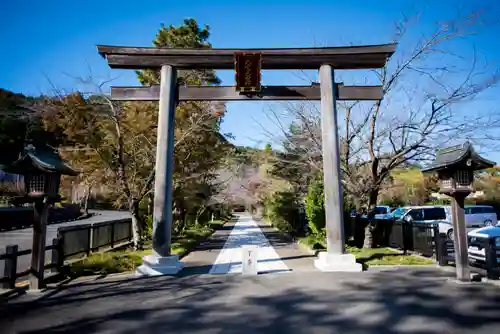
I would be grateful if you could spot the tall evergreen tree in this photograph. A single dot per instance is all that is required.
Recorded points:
(188, 35)
(200, 153)
(19, 126)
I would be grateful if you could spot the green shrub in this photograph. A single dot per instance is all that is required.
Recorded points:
(148, 227)
(393, 202)
(443, 201)
(283, 209)
(315, 208)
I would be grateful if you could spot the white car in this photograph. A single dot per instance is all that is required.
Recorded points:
(476, 216)
(477, 239)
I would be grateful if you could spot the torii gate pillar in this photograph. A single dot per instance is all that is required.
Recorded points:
(335, 258)
(162, 262)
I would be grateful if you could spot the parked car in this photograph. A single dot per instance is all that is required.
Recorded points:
(381, 212)
(400, 212)
(476, 216)
(477, 240)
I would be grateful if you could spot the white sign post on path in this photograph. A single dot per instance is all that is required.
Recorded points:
(249, 260)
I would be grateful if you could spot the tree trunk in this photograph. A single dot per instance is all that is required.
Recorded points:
(150, 204)
(179, 215)
(199, 212)
(369, 241)
(86, 201)
(136, 224)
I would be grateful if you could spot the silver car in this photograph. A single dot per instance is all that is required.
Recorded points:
(476, 216)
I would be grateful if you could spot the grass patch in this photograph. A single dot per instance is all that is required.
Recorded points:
(119, 261)
(217, 224)
(313, 242)
(372, 256)
(386, 256)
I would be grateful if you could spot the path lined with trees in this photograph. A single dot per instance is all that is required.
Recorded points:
(222, 252)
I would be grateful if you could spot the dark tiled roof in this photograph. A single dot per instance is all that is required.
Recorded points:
(45, 159)
(458, 155)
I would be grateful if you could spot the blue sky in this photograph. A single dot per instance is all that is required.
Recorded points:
(47, 44)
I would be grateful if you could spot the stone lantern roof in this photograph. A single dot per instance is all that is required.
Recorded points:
(460, 156)
(43, 159)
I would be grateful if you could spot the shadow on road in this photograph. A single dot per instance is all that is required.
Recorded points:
(401, 301)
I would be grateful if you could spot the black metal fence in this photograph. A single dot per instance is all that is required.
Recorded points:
(83, 239)
(425, 239)
(70, 242)
(483, 254)
(416, 237)
(23, 217)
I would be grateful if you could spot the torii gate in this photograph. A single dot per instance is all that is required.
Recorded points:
(248, 64)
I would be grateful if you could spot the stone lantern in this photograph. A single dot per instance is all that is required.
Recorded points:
(42, 169)
(455, 167)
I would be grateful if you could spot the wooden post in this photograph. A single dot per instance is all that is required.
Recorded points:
(460, 238)
(112, 237)
(10, 266)
(442, 249)
(334, 208)
(57, 257)
(491, 259)
(162, 214)
(89, 245)
(41, 209)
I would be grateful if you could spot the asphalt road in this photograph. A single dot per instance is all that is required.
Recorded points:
(24, 237)
(387, 302)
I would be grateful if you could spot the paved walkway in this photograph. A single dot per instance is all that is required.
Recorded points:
(222, 253)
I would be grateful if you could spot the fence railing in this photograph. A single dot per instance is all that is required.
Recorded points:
(12, 252)
(70, 242)
(83, 239)
(425, 239)
(412, 237)
(23, 217)
(483, 253)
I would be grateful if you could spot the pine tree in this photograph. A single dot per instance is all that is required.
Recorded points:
(188, 35)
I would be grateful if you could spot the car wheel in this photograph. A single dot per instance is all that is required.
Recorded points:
(449, 234)
(488, 223)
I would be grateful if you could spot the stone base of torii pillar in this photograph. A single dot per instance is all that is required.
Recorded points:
(153, 265)
(337, 262)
